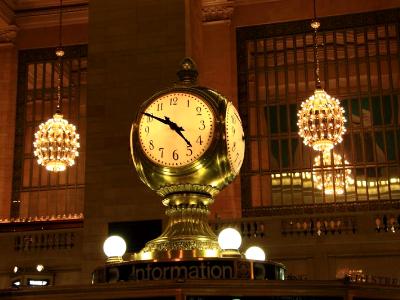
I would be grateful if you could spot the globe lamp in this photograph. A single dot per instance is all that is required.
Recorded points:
(255, 253)
(114, 248)
(39, 268)
(230, 240)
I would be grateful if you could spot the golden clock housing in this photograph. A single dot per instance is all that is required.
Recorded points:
(187, 144)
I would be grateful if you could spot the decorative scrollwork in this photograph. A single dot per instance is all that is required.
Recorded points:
(217, 12)
(8, 34)
(180, 245)
(195, 188)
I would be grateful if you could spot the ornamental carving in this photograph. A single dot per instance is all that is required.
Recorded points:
(181, 245)
(217, 11)
(171, 189)
(8, 34)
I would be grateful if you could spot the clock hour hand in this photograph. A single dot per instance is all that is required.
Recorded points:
(171, 125)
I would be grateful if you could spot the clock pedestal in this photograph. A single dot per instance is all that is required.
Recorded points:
(187, 234)
(187, 144)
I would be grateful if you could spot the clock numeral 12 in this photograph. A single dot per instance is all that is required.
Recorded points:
(173, 101)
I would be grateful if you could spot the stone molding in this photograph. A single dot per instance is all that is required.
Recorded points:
(6, 13)
(50, 17)
(217, 10)
(8, 34)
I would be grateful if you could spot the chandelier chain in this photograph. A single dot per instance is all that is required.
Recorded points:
(316, 60)
(315, 25)
(59, 54)
(60, 25)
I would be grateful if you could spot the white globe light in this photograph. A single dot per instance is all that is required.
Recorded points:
(255, 253)
(114, 246)
(229, 239)
(39, 268)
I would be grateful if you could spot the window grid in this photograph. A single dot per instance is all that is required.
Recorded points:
(359, 65)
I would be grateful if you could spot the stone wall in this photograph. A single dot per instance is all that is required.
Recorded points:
(134, 51)
(8, 99)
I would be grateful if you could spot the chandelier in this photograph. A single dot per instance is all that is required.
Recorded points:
(321, 121)
(321, 118)
(330, 174)
(56, 142)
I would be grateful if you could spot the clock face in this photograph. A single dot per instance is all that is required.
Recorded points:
(176, 129)
(234, 138)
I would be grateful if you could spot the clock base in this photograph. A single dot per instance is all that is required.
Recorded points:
(187, 234)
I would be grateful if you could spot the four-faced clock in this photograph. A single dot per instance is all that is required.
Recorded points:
(176, 129)
(187, 139)
(187, 145)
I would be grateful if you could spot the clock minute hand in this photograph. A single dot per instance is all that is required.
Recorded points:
(181, 134)
(171, 125)
(177, 129)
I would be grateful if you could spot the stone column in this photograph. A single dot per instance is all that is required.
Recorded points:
(8, 99)
(134, 51)
(219, 72)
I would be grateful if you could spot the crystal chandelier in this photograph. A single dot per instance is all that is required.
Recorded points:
(321, 121)
(56, 142)
(321, 118)
(330, 174)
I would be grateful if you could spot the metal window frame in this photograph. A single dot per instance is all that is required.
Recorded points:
(26, 57)
(336, 24)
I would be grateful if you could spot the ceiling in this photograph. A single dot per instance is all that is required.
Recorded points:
(41, 13)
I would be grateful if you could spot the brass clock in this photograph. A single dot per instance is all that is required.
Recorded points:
(176, 129)
(187, 144)
(187, 137)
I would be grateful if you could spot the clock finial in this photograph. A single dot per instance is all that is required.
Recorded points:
(188, 71)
